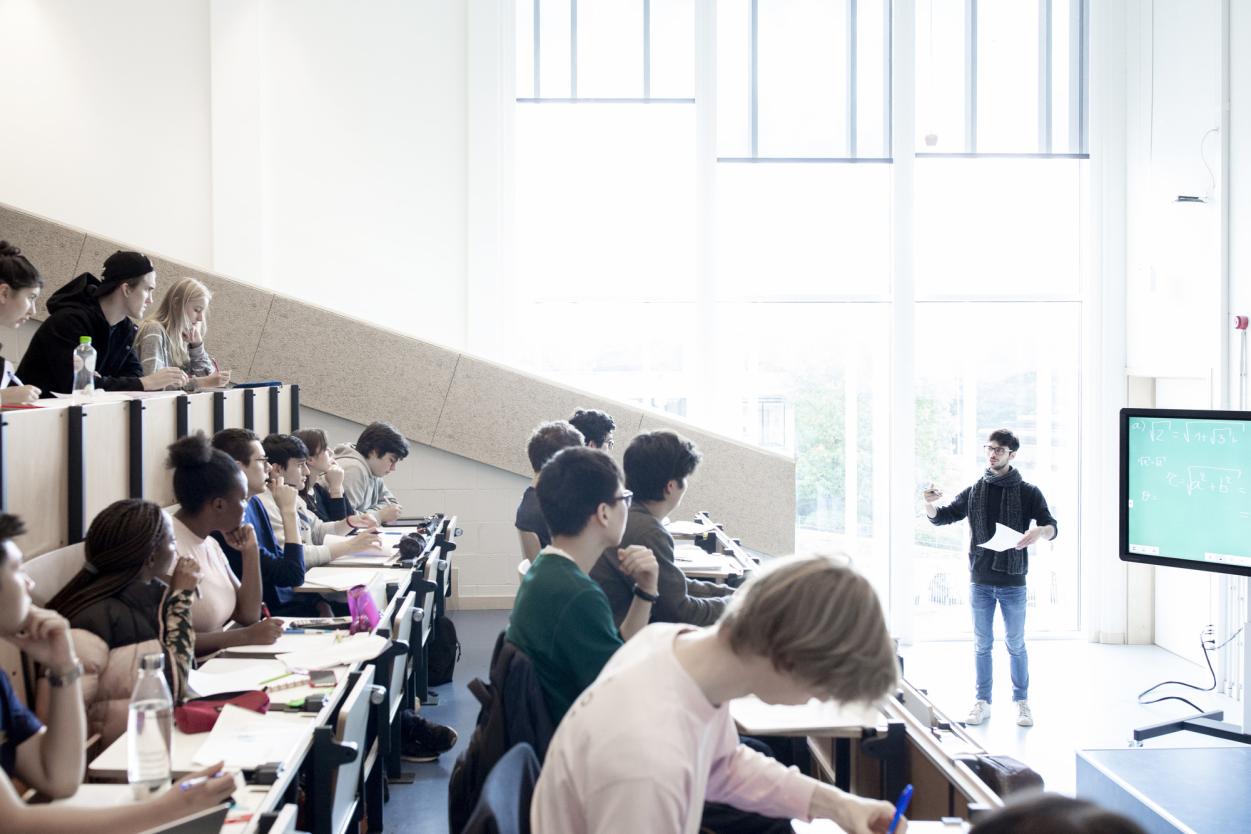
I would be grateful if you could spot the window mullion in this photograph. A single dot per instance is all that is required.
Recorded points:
(647, 49)
(1045, 47)
(755, 89)
(851, 77)
(538, 41)
(573, 49)
(1082, 51)
(970, 76)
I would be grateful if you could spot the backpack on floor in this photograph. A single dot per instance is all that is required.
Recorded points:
(444, 651)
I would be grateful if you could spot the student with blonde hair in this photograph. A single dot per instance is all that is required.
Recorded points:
(652, 740)
(173, 336)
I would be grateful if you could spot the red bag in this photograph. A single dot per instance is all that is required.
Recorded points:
(199, 715)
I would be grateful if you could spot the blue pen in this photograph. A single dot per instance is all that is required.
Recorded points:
(900, 807)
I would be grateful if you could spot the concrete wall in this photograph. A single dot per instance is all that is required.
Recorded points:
(468, 418)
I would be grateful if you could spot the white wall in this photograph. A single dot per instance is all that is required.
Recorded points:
(483, 498)
(339, 133)
(1239, 173)
(1174, 276)
(105, 118)
(316, 147)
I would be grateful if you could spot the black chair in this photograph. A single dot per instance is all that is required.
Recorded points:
(504, 807)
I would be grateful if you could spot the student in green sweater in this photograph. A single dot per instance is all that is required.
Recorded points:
(561, 619)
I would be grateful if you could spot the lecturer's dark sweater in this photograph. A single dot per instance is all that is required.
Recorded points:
(1033, 508)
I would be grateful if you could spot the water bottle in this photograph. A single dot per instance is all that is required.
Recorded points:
(84, 370)
(149, 729)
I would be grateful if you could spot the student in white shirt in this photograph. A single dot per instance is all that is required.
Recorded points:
(652, 739)
(20, 286)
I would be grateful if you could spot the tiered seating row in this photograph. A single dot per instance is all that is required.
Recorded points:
(61, 463)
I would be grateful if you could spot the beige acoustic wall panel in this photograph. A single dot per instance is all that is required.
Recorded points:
(749, 489)
(52, 248)
(236, 314)
(453, 402)
(491, 411)
(355, 370)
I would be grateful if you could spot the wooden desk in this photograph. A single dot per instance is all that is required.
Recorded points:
(243, 818)
(875, 754)
(110, 766)
(823, 719)
(914, 827)
(382, 577)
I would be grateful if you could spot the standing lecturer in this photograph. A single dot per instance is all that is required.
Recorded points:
(998, 577)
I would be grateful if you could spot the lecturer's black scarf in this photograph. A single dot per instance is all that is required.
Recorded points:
(1008, 561)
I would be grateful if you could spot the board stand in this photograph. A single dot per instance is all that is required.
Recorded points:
(1207, 723)
(1211, 723)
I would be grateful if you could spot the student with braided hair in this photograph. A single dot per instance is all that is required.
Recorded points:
(133, 597)
(212, 494)
(20, 285)
(49, 755)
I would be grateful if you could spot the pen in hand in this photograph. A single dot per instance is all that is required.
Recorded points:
(900, 807)
(188, 784)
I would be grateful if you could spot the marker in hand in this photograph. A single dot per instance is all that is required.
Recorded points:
(900, 807)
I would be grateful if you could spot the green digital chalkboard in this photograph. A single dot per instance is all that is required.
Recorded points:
(1186, 488)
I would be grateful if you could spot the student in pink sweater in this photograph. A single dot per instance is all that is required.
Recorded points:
(652, 739)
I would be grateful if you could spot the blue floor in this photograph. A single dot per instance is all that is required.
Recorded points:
(421, 808)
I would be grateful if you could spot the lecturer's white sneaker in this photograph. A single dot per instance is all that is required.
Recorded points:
(979, 713)
(1024, 718)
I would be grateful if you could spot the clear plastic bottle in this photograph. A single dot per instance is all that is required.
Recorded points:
(84, 370)
(150, 729)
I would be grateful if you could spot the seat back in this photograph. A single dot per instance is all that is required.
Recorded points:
(530, 544)
(401, 632)
(351, 727)
(53, 570)
(504, 805)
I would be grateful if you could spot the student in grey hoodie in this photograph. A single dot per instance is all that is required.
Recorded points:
(365, 463)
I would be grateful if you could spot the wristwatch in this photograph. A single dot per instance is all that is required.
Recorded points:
(644, 595)
(65, 678)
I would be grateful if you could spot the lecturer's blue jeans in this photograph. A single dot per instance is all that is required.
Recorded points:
(1011, 600)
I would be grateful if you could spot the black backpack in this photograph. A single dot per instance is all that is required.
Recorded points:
(412, 546)
(444, 651)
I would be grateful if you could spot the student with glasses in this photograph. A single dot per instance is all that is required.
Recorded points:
(998, 577)
(658, 465)
(596, 427)
(561, 619)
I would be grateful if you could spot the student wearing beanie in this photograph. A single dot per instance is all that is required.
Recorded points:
(104, 309)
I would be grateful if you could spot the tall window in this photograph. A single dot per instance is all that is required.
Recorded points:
(747, 285)
(1001, 132)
